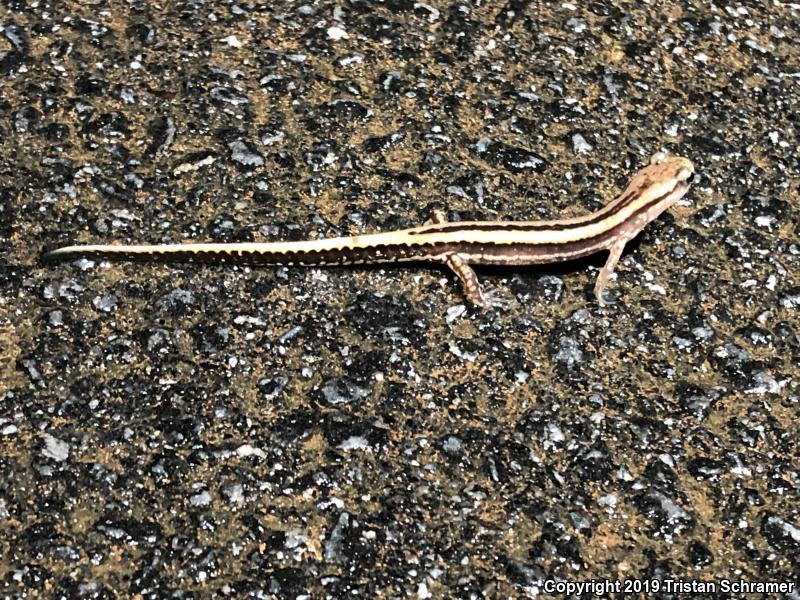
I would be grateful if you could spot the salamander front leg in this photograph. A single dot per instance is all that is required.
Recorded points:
(614, 252)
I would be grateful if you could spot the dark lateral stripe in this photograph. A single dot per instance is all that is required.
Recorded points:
(560, 252)
(612, 207)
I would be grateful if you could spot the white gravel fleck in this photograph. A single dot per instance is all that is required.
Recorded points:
(355, 442)
(580, 145)
(55, 448)
(201, 499)
(337, 33)
(232, 41)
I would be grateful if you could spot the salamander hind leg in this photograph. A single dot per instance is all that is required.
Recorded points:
(469, 280)
(472, 287)
(437, 217)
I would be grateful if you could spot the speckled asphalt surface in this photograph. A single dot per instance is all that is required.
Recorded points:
(199, 430)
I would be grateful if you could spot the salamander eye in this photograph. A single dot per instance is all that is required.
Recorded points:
(685, 174)
(658, 158)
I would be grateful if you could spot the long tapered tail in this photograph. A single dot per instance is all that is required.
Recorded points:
(373, 248)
